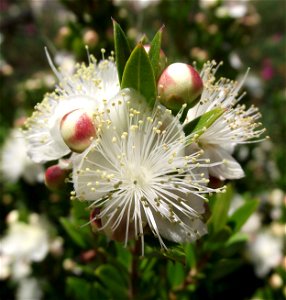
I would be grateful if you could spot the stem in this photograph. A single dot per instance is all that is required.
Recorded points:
(134, 270)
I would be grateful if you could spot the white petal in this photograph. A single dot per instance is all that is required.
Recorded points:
(228, 169)
(175, 232)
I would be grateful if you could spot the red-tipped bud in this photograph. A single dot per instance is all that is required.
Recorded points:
(162, 60)
(55, 177)
(179, 84)
(78, 130)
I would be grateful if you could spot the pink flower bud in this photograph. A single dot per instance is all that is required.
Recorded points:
(55, 177)
(78, 130)
(162, 60)
(179, 84)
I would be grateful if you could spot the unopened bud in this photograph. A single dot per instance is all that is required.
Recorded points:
(179, 84)
(94, 221)
(90, 38)
(77, 130)
(55, 177)
(162, 58)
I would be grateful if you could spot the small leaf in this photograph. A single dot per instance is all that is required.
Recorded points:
(175, 273)
(138, 74)
(154, 52)
(122, 49)
(241, 215)
(190, 255)
(78, 288)
(224, 267)
(79, 211)
(74, 232)
(203, 122)
(234, 244)
(113, 280)
(220, 206)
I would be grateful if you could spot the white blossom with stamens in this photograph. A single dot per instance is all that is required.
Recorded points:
(138, 174)
(14, 162)
(237, 125)
(88, 89)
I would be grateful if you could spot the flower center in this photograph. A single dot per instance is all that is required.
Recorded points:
(139, 176)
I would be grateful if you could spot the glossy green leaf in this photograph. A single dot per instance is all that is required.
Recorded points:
(138, 74)
(113, 280)
(198, 126)
(154, 52)
(74, 232)
(122, 49)
(219, 207)
(241, 215)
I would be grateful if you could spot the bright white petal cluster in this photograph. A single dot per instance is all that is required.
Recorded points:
(24, 243)
(87, 89)
(265, 251)
(14, 160)
(139, 175)
(237, 125)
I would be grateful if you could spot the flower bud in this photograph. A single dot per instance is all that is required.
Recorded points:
(90, 38)
(162, 58)
(179, 84)
(95, 223)
(77, 130)
(55, 177)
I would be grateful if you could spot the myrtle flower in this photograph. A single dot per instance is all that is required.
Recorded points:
(24, 243)
(14, 160)
(87, 89)
(237, 125)
(265, 251)
(137, 174)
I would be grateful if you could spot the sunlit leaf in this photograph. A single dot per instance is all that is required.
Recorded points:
(138, 74)
(122, 49)
(241, 215)
(154, 52)
(203, 122)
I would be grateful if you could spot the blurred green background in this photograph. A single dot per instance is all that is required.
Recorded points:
(242, 34)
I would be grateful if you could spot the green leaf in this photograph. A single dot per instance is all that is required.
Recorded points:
(74, 232)
(138, 74)
(113, 280)
(219, 207)
(122, 49)
(234, 244)
(154, 52)
(224, 267)
(199, 125)
(79, 210)
(190, 255)
(78, 288)
(241, 215)
(175, 273)
(123, 256)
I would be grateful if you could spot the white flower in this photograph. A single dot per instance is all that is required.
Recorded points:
(25, 243)
(88, 88)
(14, 160)
(237, 125)
(266, 252)
(29, 289)
(138, 173)
(233, 9)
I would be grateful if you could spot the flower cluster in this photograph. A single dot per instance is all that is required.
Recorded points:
(141, 141)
